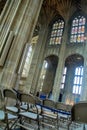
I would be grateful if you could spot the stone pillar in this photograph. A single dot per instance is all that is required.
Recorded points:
(4, 11)
(84, 82)
(37, 61)
(59, 70)
(24, 34)
(7, 22)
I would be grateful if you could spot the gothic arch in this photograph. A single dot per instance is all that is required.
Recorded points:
(52, 62)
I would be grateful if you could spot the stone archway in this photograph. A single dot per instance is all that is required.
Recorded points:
(73, 83)
(52, 62)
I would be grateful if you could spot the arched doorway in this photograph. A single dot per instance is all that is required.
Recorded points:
(47, 75)
(73, 80)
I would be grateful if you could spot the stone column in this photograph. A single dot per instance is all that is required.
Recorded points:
(7, 22)
(37, 61)
(59, 70)
(84, 81)
(24, 35)
(4, 11)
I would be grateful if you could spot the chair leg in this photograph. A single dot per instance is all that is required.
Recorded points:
(84, 127)
(7, 127)
(57, 124)
(7, 123)
(38, 125)
(38, 122)
(69, 126)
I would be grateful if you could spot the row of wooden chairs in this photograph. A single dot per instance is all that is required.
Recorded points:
(51, 113)
(76, 114)
(55, 112)
(18, 111)
(13, 114)
(8, 115)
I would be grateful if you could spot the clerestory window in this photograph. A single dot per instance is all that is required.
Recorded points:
(78, 30)
(56, 32)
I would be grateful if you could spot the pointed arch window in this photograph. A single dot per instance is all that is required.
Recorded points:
(56, 32)
(78, 30)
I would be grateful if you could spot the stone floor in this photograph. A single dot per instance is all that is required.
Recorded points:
(62, 126)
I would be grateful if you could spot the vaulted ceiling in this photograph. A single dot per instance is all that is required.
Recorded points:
(2, 3)
(62, 7)
(53, 6)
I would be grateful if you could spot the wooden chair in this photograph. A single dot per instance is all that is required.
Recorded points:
(50, 117)
(25, 105)
(38, 102)
(11, 106)
(28, 114)
(3, 115)
(79, 114)
(64, 112)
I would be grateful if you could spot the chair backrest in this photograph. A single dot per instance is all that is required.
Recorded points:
(61, 106)
(79, 112)
(38, 100)
(1, 100)
(49, 103)
(10, 96)
(2, 109)
(0, 94)
(27, 98)
(9, 93)
(2, 103)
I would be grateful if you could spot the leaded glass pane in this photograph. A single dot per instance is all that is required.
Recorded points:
(56, 32)
(62, 86)
(77, 84)
(80, 80)
(79, 89)
(78, 30)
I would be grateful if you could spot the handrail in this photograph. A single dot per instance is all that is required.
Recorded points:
(54, 109)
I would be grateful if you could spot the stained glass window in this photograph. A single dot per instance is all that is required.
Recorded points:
(56, 32)
(78, 30)
(78, 80)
